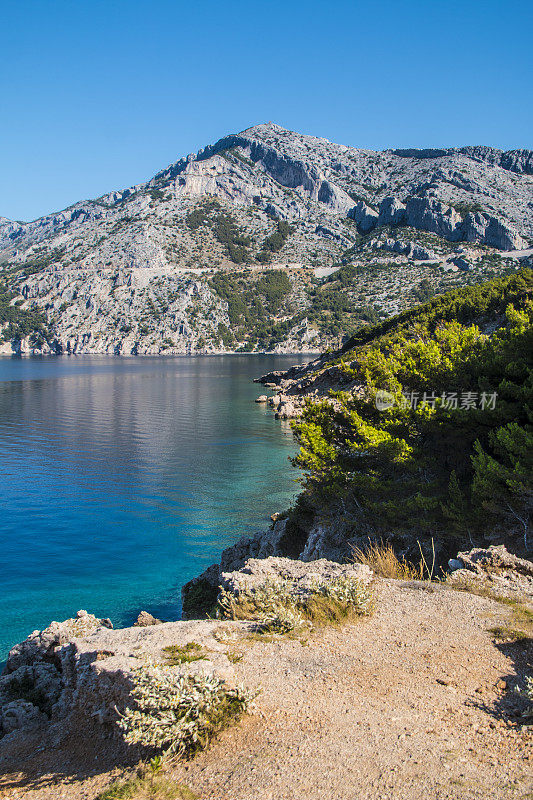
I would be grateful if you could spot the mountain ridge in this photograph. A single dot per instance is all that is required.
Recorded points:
(264, 198)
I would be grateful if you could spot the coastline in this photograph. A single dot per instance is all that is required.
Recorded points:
(165, 354)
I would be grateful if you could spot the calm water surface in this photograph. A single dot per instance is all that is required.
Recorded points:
(123, 478)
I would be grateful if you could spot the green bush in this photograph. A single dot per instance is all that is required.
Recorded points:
(19, 322)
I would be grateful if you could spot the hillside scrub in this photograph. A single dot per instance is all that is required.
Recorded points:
(16, 322)
(252, 306)
(451, 451)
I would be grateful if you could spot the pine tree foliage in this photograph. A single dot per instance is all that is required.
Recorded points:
(431, 463)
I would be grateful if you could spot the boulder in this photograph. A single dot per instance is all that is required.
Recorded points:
(496, 569)
(454, 564)
(495, 557)
(405, 248)
(20, 715)
(145, 619)
(461, 263)
(288, 410)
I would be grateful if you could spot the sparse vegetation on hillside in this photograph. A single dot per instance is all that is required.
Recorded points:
(337, 306)
(16, 322)
(224, 226)
(252, 305)
(274, 242)
(467, 208)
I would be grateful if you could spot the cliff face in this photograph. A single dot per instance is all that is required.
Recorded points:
(130, 271)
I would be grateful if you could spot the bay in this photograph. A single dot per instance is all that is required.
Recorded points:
(121, 479)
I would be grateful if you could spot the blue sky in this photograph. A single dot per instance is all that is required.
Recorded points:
(101, 95)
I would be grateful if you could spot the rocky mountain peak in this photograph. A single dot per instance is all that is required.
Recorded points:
(132, 271)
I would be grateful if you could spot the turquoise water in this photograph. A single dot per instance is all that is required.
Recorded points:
(123, 478)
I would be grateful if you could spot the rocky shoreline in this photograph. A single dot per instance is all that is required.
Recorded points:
(78, 672)
(25, 348)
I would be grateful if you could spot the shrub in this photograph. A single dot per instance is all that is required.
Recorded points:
(271, 604)
(183, 654)
(278, 607)
(156, 194)
(274, 285)
(178, 713)
(528, 713)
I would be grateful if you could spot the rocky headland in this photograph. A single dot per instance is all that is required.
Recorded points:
(424, 695)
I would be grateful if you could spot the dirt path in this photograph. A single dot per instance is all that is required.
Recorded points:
(413, 703)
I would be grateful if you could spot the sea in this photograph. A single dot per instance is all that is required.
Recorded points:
(123, 478)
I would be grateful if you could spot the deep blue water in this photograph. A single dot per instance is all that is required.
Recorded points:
(123, 478)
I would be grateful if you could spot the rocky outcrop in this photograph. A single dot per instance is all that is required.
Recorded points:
(78, 672)
(433, 216)
(199, 594)
(494, 568)
(88, 683)
(300, 576)
(145, 619)
(33, 682)
(405, 248)
(310, 543)
(364, 216)
(519, 161)
(41, 646)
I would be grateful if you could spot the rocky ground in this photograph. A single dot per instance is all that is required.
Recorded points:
(416, 700)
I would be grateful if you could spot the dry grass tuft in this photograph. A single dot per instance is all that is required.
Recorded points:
(234, 656)
(505, 633)
(382, 559)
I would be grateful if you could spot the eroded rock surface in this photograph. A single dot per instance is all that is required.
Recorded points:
(299, 575)
(496, 569)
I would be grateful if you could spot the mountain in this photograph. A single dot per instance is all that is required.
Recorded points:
(236, 247)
